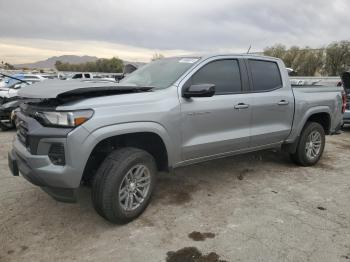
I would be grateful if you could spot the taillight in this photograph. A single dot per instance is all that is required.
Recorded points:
(344, 102)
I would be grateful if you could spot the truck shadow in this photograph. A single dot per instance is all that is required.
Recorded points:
(205, 179)
(178, 187)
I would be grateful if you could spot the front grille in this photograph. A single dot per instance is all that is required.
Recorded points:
(22, 131)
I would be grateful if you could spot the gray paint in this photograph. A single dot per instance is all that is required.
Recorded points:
(193, 130)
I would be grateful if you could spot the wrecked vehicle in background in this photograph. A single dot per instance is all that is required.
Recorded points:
(9, 99)
(9, 80)
(7, 114)
(168, 114)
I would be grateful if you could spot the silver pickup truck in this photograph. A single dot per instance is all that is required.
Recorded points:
(170, 113)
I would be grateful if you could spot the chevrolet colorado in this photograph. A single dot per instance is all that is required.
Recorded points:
(170, 113)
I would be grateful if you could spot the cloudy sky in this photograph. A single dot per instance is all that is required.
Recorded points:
(32, 30)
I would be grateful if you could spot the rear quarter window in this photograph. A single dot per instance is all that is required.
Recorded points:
(265, 75)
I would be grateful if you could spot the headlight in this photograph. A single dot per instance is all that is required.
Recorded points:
(64, 118)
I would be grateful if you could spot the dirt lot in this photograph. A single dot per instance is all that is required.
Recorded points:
(256, 207)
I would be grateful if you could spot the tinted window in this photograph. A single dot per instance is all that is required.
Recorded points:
(87, 75)
(76, 76)
(266, 75)
(224, 74)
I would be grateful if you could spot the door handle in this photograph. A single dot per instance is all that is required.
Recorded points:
(283, 103)
(241, 106)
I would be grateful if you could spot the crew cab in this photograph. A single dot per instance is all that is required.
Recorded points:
(168, 114)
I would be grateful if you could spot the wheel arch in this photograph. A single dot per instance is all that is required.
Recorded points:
(147, 136)
(320, 115)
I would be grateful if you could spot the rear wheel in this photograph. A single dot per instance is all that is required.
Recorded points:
(123, 185)
(311, 145)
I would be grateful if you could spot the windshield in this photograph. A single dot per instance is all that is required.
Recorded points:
(160, 73)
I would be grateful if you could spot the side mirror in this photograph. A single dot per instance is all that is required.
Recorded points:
(200, 90)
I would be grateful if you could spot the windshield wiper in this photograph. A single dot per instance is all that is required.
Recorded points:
(15, 78)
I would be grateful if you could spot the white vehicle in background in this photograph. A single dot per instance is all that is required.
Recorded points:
(9, 99)
(22, 76)
(100, 76)
(11, 84)
(81, 75)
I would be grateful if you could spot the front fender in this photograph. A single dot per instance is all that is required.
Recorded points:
(128, 128)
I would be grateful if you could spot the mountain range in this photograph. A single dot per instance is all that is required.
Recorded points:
(50, 62)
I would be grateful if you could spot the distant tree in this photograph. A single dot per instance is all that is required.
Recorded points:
(8, 66)
(308, 62)
(58, 65)
(157, 56)
(277, 50)
(290, 56)
(113, 65)
(305, 61)
(337, 58)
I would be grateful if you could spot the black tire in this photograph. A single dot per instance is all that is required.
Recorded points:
(300, 157)
(108, 180)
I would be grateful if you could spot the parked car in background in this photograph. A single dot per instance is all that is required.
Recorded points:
(7, 115)
(49, 76)
(100, 76)
(11, 84)
(22, 76)
(168, 114)
(9, 99)
(81, 75)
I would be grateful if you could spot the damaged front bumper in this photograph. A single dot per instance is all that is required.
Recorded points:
(40, 171)
(32, 157)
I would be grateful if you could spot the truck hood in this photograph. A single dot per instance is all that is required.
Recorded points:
(61, 89)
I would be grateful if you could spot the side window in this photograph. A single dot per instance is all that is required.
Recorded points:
(76, 76)
(87, 75)
(224, 74)
(266, 75)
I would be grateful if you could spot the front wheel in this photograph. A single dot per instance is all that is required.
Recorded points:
(123, 184)
(311, 145)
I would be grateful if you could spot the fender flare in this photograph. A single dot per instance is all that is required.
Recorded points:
(293, 141)
(105, 132)
(313, 111)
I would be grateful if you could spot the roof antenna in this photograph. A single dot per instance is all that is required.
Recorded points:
(249, 49)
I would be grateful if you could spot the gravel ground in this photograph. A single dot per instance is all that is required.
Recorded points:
(255, 207)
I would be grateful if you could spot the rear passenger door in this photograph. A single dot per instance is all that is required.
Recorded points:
(272, 104)
(221, 123)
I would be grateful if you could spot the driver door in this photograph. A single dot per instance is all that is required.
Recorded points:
(212, 126)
